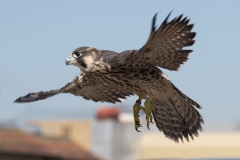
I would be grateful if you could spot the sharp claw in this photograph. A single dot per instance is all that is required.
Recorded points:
(151, 121)
(148, 126)
(137, 130)
(137, 123)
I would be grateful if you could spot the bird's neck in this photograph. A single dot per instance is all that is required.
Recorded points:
(98, 66)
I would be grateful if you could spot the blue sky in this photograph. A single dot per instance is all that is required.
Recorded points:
(37, 36)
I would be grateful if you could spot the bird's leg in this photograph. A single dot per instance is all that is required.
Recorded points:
(136, 108)
(148, 110)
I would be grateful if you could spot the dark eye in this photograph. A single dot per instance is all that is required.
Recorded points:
(77, 54)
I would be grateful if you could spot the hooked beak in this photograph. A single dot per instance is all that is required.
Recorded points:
(70, 60)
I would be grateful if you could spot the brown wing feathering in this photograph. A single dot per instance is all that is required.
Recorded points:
(95, 93)
(164, 47)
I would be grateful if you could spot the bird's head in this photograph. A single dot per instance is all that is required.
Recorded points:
(83, 57)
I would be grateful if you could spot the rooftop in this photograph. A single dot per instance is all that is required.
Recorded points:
(20, 143)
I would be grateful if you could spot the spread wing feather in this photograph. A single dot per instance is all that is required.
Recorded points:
(164, 48)
(95, 93)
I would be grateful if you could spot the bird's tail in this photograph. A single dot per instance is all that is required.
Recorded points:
(177, 116)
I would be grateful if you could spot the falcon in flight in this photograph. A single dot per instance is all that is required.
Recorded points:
(108, 76)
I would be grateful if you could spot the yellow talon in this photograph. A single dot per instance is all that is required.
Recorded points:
(148, 110)
(152, 109)
(136, 108)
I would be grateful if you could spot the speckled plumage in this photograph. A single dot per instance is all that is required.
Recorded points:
(108, 76)
(174, 112)
(76, 87)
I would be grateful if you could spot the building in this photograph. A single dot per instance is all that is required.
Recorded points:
(109, 136)
(209, 145)
(78, 131)
(17, 145)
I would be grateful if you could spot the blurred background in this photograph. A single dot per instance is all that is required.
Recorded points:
(37, 36)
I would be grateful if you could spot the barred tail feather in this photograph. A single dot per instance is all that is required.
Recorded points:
(189, 100)
(177, 117)
(167, 120)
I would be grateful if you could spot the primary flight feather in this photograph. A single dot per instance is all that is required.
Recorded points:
(108, 76)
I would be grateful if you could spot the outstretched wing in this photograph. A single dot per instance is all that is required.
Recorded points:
(164, 47)
(95, 93)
